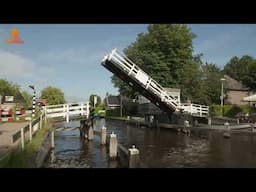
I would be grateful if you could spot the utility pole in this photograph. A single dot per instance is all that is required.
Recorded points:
(34, 100)
(222, 96)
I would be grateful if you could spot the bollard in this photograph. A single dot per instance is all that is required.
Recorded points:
(113, 146)
(22, 138)
(134, 159)
(209, 121)
(227, 126)
(227, 133)
(90, 133)
(52, 140)
(30, 131)
(253, 127)
(103, 135)
(237, 121)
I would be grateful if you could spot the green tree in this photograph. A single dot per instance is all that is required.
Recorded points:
(250, 78)
(238, 68)
(242, 69)
(27, 99)
(165, 53)
(211, 85)
(9, 88)
(53, 95)
(91, 99)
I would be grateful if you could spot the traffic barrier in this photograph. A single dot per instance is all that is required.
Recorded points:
(7, 116)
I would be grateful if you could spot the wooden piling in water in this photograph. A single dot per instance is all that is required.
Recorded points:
(90, 133)
(103, 135)
(134, 159)
(112, 146)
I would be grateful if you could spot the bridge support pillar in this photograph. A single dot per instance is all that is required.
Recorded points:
(134, 159)
(103, 135)
(90, 133)
(112, 146)
(209, 121)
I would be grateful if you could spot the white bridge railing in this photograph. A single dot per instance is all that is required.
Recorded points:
(131, 69)
(195, 109)
(135, 72)
(67, 110)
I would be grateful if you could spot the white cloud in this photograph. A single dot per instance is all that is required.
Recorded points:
(13, 65)
(17, 67)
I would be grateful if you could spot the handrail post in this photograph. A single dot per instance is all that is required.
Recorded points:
(82, 109)
(64, 111)
(22, 138)
(67, 113)
(30, 131)
(87, 109)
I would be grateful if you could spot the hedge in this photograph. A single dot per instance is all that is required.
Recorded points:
(230, 110)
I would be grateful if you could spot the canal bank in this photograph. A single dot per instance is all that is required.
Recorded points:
(34, 152)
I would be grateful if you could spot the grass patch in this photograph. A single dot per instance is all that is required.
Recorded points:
(22, 159)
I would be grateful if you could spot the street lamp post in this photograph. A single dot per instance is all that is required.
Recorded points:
(222, 95)
(34, 100)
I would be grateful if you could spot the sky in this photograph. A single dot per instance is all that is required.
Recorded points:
(69, 56)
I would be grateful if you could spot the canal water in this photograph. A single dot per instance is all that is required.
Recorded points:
(159, 148)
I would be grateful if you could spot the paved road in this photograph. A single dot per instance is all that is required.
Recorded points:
(6, 132)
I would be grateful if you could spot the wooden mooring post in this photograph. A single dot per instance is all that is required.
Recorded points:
(227, 133)
(112, 146)
(103, 135)
(134, 159)
(90, 133)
